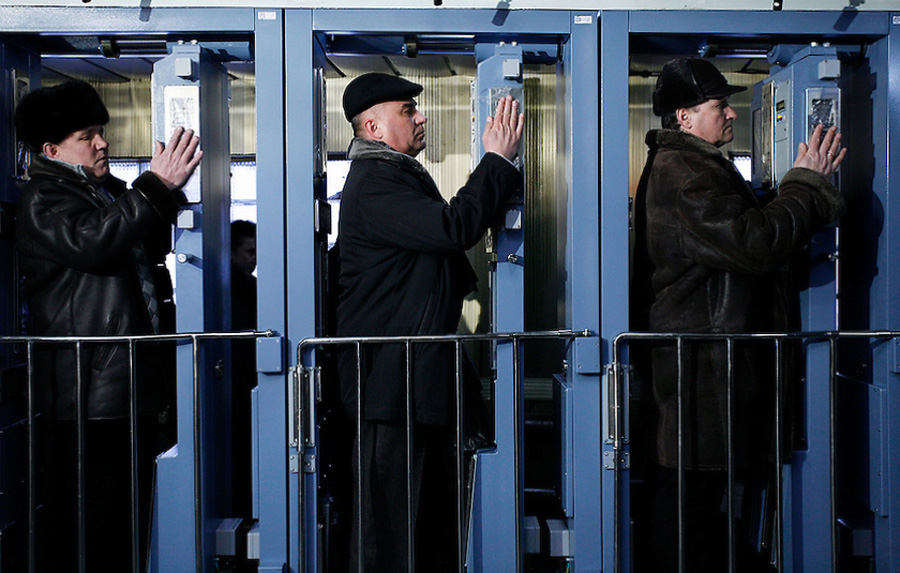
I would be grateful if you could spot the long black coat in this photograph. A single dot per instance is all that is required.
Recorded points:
(404, 272)
(76, 250)
(710, 259)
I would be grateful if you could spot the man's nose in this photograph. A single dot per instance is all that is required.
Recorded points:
(730, 113)
(100, 142)
(421, 119)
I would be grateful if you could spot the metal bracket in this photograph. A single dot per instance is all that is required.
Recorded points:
(294, 463)
(270, 355)
(293, 406)
(611, 461)
(309, 397)
(896, 362)
(587, 355)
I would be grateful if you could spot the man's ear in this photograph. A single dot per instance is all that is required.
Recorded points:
(51, 150)
(370, 127)
(683, 115)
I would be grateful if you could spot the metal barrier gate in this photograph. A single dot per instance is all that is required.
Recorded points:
(31, 348)
(306, 394)
(786, 525)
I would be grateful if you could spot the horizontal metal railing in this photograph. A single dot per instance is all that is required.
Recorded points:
(305, 418)
(619, 421)
(31, 345)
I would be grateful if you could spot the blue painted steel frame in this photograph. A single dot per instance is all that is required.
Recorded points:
(300, 162)
(497, 541)
(580, 66)
(883, 31)
(275, 493)
(614, 244)
(885, 305)
(92, 20)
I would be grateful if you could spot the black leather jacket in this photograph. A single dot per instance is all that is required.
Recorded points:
(76, 244)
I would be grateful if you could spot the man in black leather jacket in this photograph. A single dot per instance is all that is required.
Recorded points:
(91, 254)
(404, 272)
(709, 258)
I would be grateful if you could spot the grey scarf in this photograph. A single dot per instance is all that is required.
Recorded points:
(367, 149)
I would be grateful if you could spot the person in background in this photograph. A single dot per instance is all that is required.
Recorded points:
(243, 365)
(91, 252)
(710, 257)
(404, 271)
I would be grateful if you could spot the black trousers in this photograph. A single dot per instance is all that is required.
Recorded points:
(705, 524)
(385, 497)
(107, 489)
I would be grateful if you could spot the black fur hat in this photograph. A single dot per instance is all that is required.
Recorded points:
(51, 114)
(374, 88)
(687, 82)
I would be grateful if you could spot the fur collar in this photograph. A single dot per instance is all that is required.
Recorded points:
(680, 140)
(367, 149)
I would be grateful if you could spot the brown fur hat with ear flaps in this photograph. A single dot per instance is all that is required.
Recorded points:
(686, 82)
(49, 115)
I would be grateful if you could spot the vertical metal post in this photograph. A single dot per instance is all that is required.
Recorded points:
(198, 458)
(410, 530)
(79, 456)
(729, 417)
(614, 374)
(779, 454)
(460, 462)
(832, 448)
(32, 473)
(132, 436)
(361, 474)
(680, 462)
(517, 448)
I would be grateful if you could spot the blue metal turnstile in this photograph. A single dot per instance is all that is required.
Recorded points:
(192, 91)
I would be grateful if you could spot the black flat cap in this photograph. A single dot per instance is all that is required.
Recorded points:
(51, 114)
(374, 88)
(687, 82)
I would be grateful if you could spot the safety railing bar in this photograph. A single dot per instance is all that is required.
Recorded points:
(132, 440)
(198, 460)
(360, 547)
(812, 336)
(680, 461)
(79, 456)
(498, 336)
(832, 337)
(461, 499)
(80, 343)
(517, 454)
(617, 486)
(32, 465)
(779, 455)
(514, 337)
(729, 441)
(832, 449)
(410, 530)
(185, 337)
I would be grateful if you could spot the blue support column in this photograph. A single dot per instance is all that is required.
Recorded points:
(582, 97)
(192, 90)
(500, 490)
(301, 117)
(275, 499)
(884, 427)
(614, 246)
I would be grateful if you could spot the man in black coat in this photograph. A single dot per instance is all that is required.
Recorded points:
(91, 254)
(403, 271)
(709, 258)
